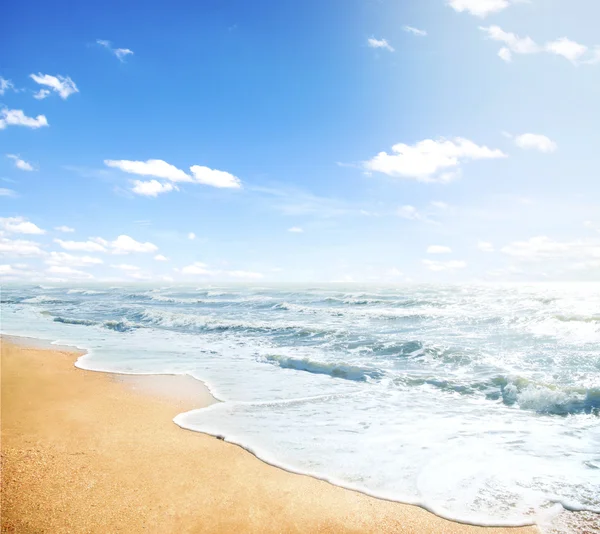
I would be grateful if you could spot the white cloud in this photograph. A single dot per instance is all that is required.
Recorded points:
(295, 230)
(206, 176)
(16, 117)
(514, 43)
(121, 53)
(479, 8)
(5, 85)
(41, 94)
(161, 169)
(414, 31)
(192, 236)
(19, 247)
(563, 46)
(63, 258)
(62, 85)
(151, 188)
(437, 266)
(20, 163)
(82, 246)
(379, 43)
(70, 272)
(126, 267)
(566, 48)
(126, 245)
(438, 249)
(153, 167)
(65, 229)
(197, 268)
(19, 225)
(426, 160)
(160, 257)
(440, 205)
(122, 245)
(535, 141)
(485, 246)
(409, 212)
(541, 248)
(7, 192)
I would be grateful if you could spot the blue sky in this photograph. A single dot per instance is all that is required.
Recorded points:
(347, 140)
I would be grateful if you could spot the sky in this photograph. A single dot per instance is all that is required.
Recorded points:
(372, 141)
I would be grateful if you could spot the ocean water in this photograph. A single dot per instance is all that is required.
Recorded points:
(479, 403)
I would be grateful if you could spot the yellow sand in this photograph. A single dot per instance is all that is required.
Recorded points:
(91, 452)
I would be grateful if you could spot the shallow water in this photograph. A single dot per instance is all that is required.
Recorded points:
(480, 403)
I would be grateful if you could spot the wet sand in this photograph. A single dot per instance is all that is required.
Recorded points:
(87, 452)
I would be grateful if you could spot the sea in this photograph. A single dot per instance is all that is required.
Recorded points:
(480, 403)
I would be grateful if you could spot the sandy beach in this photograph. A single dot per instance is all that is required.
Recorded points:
(94, 452)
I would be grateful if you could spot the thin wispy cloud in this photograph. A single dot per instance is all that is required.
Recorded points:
(379, 43)
(414, 31)
(5, 85)
(63, 85)
(120, 53)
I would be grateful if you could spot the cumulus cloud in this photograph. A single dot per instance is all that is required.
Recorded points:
(539, 142)
(81, 246)
(127, 245)
(121, 53)
(122, 245)
(566, 48)
(379, 43)
(480, 8)
(151, 188)
(438, 249)
(16, 117)
(198, 268)
(485, 246)
(563, 46)
(514, 43)
(63, 258)
(438, 266)
(63, 85)
(160, 257)
(19, 225)
(126, 267)
(414, 31)
(295, 230)
(222, 179)
(161, 169)
(20, 247)
(430, 160)
(20, 163)
(65, 229)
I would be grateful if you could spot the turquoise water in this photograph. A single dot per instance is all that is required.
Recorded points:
(480, 403)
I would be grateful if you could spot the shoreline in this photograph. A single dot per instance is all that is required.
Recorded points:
(266, 498)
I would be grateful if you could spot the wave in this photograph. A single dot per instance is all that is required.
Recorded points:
(334, 369)
(42, 299)
(85, 292)
(157, 317)
(122, 325)
(69, 320)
